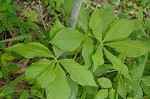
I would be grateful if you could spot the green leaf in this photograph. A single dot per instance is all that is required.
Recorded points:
(102, 70)
(117, 64)
(8, 89)
(111, 93)
(78, 73)
(140, 14)
(146, 80)
(1, 74)
(26, 13)
(102, 94)
(4, 73)
(58, 2)
(137, 72)
(82, 21)
(137, 24)
(31, 50)
(57, 51)
(42, 71)
(9, 58)
(13, 67)
(97, 57)
(67, 39)
(74, 88)
(96, 24)
(68, 6)
(4, 6)
(121, 88)
(20, 37)
(147, 23)
(139, 94)
(128, 47)
(91, 90)
(119, 30)
(56, 27)
(59, 89)
(87, 51)
(4, 56)
(24, 95)
(107, 16)
(4, 63)
(146, 89)
(37, 91)
(105, 82)
(86, 1)
(122, 57)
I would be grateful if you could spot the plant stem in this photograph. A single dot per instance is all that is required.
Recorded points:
(75, 13)
(15, 82)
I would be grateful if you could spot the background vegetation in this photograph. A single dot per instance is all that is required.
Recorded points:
(34, 35)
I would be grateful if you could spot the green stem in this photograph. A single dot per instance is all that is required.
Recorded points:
(117, 84)
(15, 82)
(12, 84)
(83, 96)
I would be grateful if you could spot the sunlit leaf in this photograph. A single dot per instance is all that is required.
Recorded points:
(117, 64)
(119, 30)
(146, 80)
(24, 95)
(96, 24)
(111, 93)
(87, 51)
(31, 50)
(59, 89)
(67, 39)
(56, 27)
(97, 57)
(102, 94)
(122, 88)
(107, 16)
(78, 73)
(42, 71)
(131, 48)
(105, 82)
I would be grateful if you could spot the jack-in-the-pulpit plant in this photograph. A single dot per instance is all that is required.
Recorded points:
(102, 49)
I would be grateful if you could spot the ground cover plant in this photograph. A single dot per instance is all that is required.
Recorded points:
(62, 49)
